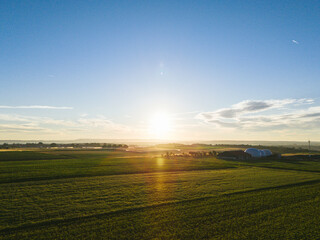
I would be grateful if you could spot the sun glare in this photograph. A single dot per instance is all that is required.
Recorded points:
(160, 126)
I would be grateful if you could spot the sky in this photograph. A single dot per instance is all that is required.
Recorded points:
(175, 70)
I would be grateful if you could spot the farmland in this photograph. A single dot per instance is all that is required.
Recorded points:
(99, 194)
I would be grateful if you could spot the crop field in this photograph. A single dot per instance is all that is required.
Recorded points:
(99, 194)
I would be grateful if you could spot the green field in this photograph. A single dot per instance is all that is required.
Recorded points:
(100, 194)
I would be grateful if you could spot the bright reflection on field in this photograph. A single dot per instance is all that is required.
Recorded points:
(160, 125)
(159, 162)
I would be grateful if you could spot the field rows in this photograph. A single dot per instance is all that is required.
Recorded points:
(103, 195)
(286, 213)
(65, 198)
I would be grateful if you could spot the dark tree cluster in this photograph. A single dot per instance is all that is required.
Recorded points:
(196, 154)
(62, 145)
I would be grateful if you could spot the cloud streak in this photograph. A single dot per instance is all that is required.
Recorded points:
(35, 107)
(13, 126)
(257, 115)
(249, 107)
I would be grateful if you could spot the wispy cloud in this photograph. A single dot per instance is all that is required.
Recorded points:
(250, 106)
(35, 107)
(295, 41)
(255, 115)
(11, 125)
(20, 128)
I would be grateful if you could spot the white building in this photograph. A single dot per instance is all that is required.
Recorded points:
(257, 153)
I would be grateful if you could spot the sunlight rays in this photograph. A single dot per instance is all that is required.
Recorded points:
(160, 126)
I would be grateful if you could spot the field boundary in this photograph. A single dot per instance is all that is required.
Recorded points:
(148, 172)
(282, 168)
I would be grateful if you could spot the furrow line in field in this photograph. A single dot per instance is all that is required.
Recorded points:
(283, 168)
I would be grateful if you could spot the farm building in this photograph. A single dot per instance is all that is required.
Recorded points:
(257, 153)
(234, 155)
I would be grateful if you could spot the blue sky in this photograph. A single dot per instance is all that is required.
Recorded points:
(103, 69)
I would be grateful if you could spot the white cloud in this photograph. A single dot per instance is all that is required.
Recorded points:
(20, 128)
(295, 41)
(250, 106)
(255, 115)
(34, 107)
(13, 126)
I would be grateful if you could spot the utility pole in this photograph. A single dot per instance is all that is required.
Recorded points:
(309, 149)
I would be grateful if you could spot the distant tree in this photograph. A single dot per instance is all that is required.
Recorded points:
(5, 146)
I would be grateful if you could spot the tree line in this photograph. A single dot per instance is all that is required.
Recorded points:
(62, 145)
(196, 154)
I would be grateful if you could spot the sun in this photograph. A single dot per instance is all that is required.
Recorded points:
(160, 125)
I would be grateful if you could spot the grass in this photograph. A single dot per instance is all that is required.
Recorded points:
(312, 165)
(28, 155)
(64, 164)
(123, 195)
